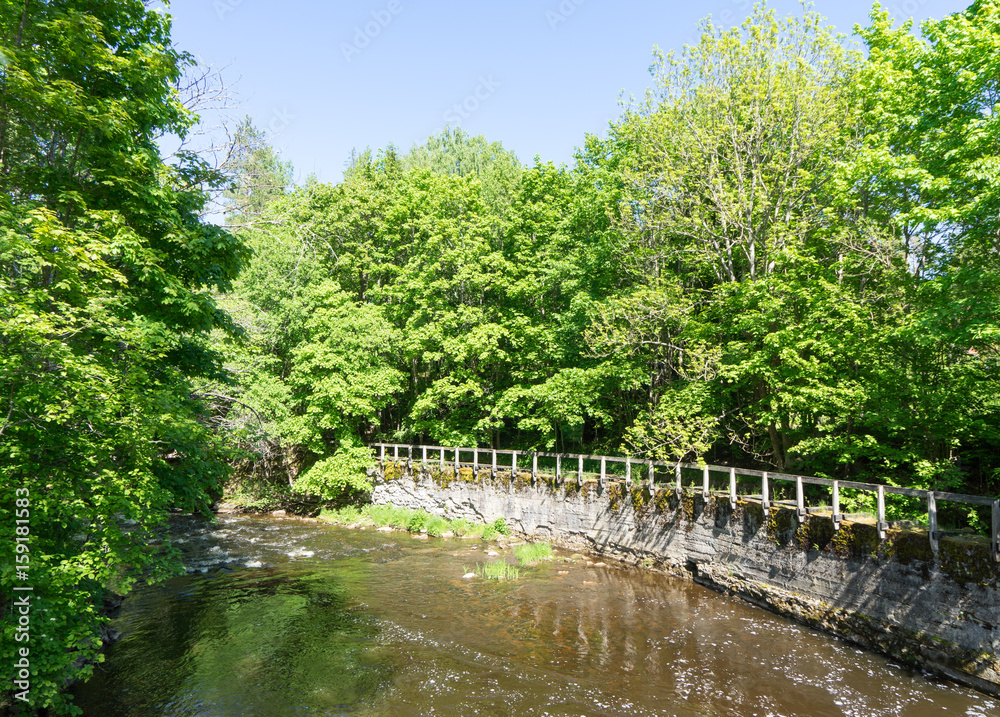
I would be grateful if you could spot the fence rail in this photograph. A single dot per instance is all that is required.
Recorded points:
(452, 457)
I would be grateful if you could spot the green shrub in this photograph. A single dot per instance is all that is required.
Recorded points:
(497, 527)
(342, 474)
(464, 526)
(436, 525)
(346, 515)
(418, 521)
(382, 515)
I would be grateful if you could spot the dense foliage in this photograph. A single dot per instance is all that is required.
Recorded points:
(105, 308)
(785, 255)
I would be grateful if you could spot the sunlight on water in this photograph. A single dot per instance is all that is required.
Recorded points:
(286, 617)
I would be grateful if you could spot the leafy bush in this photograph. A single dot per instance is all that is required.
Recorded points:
(497, 527)
(418, 521)
(463, 526)
(382, 515)
(346, 515)
(342, 474)
(436, 525)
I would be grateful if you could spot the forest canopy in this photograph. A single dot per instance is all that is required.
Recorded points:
(785, 255)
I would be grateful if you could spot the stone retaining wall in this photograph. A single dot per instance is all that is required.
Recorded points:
(939, 611)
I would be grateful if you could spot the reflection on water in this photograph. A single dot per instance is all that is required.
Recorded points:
(282, 617)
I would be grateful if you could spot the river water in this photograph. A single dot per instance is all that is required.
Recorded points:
(285, 617)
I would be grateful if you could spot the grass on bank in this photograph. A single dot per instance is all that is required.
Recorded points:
(415, 521)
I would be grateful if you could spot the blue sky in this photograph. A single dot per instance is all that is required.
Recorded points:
(326, 77)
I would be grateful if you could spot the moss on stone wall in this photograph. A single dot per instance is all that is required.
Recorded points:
(722, 511)
(967, 559)
(392, 471)
(442, 478)
(856, 540)
(910, 546)
(815, 532)
(521, 479)
(616, 495)
(550, 480)
(500, 479)
(688, 507)
(752, 514)
(664, 500)
(640, 499)
(621, 494)
(782, 524)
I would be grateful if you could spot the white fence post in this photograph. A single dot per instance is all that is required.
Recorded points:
(704, 483)
(880, 520)
(837, 517)
(995, 542)
(932, 526)
(732, 488)
(800, 499)
(765, 498)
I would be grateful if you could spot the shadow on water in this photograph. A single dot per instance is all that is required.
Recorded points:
(245, 642)
(291, 618)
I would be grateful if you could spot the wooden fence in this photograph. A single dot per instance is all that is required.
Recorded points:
(619, 467)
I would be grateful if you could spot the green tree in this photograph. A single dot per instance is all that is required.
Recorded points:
(733, 147)
(729, 162)
(258, 175)
(454, 151)
(105, 302)
(924, 188)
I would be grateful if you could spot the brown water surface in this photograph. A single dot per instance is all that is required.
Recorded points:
(285, 617)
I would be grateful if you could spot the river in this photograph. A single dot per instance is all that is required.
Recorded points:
(286, 617)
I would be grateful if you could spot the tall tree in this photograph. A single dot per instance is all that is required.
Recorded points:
(454, 151)
(733, 146)
(728, 160)
(105, 302)
(258, 176)
(924, 185)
